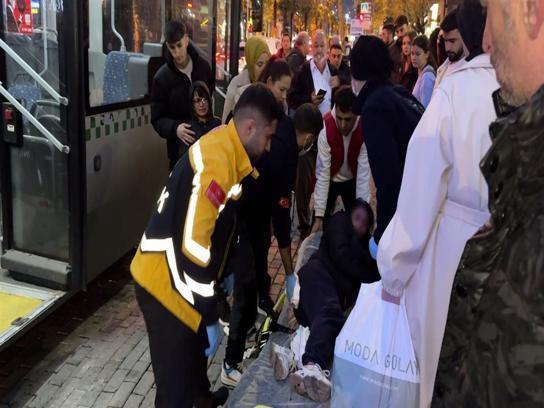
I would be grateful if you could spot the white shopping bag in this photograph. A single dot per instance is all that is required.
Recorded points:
(298, 344)
(375, 365)
(308, 247)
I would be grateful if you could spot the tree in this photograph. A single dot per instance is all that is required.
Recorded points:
(417, 12)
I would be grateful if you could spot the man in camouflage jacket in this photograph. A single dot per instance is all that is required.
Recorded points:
(493, 349)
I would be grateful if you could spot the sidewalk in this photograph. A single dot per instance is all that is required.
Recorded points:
(93, 351)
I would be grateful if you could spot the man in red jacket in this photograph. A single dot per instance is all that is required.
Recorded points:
(342, 162)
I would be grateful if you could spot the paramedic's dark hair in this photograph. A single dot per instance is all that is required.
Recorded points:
(360, 203)
(258, 97)
(308, 119)
(275, 69)
(344, 98)
(174, 31)
(450, 21)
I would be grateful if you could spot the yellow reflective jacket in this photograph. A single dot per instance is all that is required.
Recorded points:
(185, 243)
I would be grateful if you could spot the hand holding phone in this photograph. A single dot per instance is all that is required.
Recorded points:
(321, 92)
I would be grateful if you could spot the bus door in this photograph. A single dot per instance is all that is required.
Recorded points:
(37, 150)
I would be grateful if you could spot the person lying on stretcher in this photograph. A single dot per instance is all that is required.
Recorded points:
(329, 285)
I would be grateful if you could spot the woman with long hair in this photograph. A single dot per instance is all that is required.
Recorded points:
(423, 61)
(409, 73)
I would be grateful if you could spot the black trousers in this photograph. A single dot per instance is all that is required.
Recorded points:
(244, 307)
(303, 191)
(346, 190)
(177, 356)
(260, 237)
(320, 310)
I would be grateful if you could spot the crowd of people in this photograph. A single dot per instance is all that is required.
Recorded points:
(439, 132)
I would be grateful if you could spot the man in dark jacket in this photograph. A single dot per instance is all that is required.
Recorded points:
(171, 104)
(297, 56)
(389, 118)
(493, 344)
(395, 51)
(329, 284)
(266, 201)
(336, 59)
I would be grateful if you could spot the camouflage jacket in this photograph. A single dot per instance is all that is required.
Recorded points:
(493, 349)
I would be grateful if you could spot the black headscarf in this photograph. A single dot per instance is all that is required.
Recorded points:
(471, 22)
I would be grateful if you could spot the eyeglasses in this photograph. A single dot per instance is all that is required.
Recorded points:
(198, 101)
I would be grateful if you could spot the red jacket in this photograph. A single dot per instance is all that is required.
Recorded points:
(334, 138)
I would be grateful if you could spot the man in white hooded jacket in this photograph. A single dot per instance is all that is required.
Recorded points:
(443, 199)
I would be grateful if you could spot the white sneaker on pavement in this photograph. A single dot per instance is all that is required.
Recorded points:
(313, 381)
(231, 375)
(283, 361)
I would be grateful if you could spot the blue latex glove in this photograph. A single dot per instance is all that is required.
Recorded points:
(213, 338)
(373, 247)
(290, 285)
(228, 284)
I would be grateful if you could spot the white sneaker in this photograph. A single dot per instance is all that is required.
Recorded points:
(231, 376)
(283, 361)
(313, 381)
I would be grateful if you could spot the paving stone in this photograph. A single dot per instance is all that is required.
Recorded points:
(122, 394)
(134, 401)
(137, 371)
(103, 400)
(64, 373)
(135, 354)
(116, 380)
(149, 400)
(107, 372)
(214, 372)
(91, 395)
(45, 394)
(73, 399)
(145, 384)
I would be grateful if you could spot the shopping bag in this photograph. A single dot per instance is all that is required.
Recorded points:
(298, 344)
(308, 247)
(375, 365)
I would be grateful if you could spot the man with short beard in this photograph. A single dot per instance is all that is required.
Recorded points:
(493, 344)
(453, 43)
(443, 197)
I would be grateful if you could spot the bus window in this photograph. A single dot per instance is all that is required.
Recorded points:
(117, 65)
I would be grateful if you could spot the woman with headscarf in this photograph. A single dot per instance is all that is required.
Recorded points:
(257, 55)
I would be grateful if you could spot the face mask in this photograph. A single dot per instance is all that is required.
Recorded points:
(356, 85)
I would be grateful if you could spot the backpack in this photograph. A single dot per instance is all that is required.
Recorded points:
(409, 100)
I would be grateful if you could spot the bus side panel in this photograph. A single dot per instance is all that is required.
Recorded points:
(126, 168)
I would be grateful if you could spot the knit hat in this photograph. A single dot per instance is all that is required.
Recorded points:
(471, 21)
(370, 59)
(255, 47)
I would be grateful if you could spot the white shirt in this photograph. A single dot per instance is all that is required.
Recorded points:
(323, 170)
(322, 81)
(188, 70)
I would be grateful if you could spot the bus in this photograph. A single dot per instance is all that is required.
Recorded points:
(80, 164)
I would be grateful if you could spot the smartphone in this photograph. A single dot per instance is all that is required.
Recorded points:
(321, 92)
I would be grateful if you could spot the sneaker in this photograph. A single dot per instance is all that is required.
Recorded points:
(283, 361)
(231, 375)
(220, 396)
(313, 381)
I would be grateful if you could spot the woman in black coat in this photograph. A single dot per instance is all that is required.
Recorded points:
(202, 118)
(389, 115)
(329, 285)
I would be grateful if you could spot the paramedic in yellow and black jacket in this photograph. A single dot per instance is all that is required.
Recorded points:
(184, 246)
